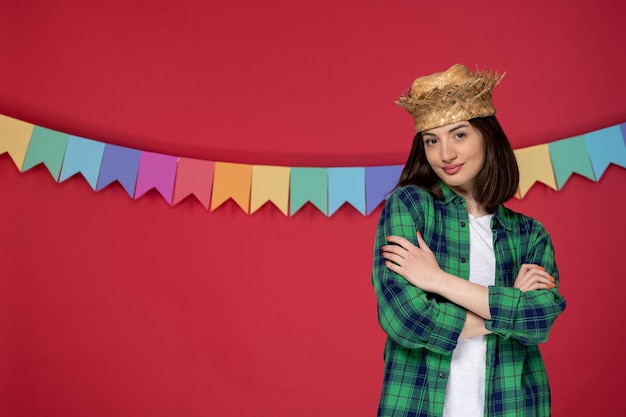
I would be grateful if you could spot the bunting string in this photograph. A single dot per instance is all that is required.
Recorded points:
(213, 183)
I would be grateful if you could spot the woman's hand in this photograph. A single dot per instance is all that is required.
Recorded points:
(533, 277)
(419, 267)
(415, 264)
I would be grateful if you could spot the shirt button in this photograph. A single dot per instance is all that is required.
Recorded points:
(462, 224)
(442, 375)
(463, 260)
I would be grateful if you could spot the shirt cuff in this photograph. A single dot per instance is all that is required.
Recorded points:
(503, 306)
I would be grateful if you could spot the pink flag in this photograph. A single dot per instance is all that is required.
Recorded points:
(156, 171)
(194, 176)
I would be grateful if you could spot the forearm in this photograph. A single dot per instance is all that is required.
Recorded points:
(473, 297)
(474, 326)
(525, 316)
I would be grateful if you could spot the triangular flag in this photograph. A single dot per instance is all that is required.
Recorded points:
(121, 164)
(14, 138)
(346, 185)
(308, 185)
(48, 147)
(156, 171)
(84, 156)
(231, 181)
(194, 176)
(379, 182)
(606, 146)
(534, 165)
(269, 183)
(570, 156)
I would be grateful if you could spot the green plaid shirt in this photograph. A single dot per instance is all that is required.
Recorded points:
(423, 329)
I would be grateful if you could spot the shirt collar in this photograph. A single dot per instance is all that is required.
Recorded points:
(503, 216)
(448, 195)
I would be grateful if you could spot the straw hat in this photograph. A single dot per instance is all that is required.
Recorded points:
(449, 97)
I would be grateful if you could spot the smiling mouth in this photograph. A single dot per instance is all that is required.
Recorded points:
(452, 169)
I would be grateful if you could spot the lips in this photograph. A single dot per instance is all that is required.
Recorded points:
(452, 169)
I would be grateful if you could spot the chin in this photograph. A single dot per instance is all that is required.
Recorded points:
(453, 183)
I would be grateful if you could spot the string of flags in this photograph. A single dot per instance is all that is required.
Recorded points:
(287, 188)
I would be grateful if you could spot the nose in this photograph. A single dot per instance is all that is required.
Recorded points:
(447, 152)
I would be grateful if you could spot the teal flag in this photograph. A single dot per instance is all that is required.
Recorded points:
(48, 147)
(308, 185)
(570, 156)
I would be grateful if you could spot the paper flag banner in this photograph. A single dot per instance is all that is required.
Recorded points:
(84, 156)
(534, 165)
(194, 176)
(14, 139)
(156, 171)
(269, 183)
(379, 182)
(346, 185)
(48, 147)
(231, 181)
(606, 146)
(308, 185)
(289, 189)
(121, 164)
(570, 156)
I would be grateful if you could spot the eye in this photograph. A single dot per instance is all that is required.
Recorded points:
(460, 135)
(430, 141)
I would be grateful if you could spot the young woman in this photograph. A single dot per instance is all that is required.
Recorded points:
(467, 289)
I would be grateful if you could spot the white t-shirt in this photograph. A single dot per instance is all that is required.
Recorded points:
(465, 391)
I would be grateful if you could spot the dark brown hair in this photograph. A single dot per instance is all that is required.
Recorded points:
(496, 183)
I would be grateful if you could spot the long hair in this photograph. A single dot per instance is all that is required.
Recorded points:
(496, 183)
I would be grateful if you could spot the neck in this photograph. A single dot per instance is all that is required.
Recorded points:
(472, 205)
(475, 209)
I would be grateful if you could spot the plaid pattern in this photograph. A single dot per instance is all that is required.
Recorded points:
(423, 328)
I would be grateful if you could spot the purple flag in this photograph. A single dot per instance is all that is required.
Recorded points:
(119, 164)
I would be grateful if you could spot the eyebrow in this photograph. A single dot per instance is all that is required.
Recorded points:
(462, 125)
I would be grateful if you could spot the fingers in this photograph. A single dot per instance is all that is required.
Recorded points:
(393, 267)
(420, 240)
(397, 250)
(393, 257)
(400, 241)
(402, 246)
(533, 277)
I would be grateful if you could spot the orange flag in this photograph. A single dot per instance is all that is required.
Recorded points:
(231, 181)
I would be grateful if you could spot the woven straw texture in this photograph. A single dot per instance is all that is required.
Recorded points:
(451, 96)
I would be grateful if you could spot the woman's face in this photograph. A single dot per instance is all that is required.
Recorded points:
(456, 153)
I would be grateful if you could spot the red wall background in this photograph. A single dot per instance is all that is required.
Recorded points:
(117, 307)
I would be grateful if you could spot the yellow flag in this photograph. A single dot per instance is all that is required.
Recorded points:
(14, 138)
(534, 165)
(270, 183)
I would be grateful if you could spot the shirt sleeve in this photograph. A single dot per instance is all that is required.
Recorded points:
(409, 316)
(528, 316)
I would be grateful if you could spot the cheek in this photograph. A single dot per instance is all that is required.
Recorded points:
(479, 156)
(431, 155)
